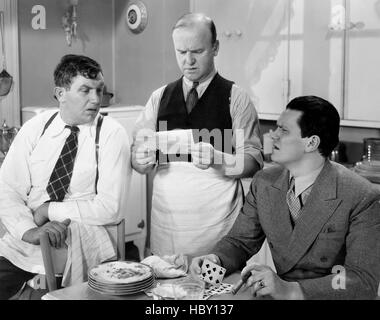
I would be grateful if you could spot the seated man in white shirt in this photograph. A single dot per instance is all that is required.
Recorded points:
(35, 198)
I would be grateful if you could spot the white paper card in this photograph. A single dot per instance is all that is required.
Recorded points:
(175, 141)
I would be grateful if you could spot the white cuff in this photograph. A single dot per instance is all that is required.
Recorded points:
(22, 227)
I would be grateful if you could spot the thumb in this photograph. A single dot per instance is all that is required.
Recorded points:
(214, 259)
(66, 222)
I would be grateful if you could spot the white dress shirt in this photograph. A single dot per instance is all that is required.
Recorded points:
(26, 171)
(304, 184)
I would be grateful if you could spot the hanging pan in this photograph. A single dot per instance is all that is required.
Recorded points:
(6, 79)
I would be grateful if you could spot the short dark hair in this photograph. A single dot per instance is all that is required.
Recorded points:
(189, 19)
(72, 65)
(319, 117)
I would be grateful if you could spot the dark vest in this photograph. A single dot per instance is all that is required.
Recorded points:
(211, 113)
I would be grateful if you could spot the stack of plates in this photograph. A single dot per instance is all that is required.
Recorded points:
(369, 170)
(120, 278)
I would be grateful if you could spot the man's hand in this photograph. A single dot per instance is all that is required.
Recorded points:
(265, 282)
(196, 263)
(41, 214)
(143, 158)
(57, 232)
(203, 155)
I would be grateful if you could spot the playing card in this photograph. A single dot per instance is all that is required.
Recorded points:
(212, 273)
(216, 290)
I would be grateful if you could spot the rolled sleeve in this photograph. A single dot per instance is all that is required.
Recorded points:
(23, 227)
(245, 125)
(148, 117)
(59, 212)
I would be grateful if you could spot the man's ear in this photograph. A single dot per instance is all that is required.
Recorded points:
(59, 93)
(216, 48)
(312, 143)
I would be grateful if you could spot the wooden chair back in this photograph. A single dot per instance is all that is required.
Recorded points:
(55, 259)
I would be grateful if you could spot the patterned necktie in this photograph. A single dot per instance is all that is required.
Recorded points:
(294, 203)
(192, 97)
(60, 177)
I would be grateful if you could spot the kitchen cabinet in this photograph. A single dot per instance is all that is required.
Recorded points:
(316, 50)
(362, 78)
(280, 49)
(136, 214)
(253, 48)
(334, 52)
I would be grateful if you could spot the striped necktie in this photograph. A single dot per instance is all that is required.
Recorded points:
(192, 97)
(61, 176)
(294, 202)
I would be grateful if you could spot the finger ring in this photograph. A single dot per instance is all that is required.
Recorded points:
(261, 284)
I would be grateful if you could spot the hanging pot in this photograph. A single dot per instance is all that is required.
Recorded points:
(6, 79)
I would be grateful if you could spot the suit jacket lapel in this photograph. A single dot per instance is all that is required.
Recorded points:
(319, 207)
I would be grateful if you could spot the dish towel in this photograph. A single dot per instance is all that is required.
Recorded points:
(168, 266)
(88, 246)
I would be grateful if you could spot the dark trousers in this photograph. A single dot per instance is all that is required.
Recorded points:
(12, 278)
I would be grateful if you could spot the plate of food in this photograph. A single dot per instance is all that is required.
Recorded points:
(120, 272)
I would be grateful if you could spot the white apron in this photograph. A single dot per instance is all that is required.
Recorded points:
(191, 209)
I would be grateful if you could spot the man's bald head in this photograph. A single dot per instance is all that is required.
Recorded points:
(190, 20)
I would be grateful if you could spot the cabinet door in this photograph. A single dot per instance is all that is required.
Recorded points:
(316, 41)
(135, 215)
(363, 60)
(253, 47)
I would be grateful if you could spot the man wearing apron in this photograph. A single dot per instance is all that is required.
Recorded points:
(197, 196)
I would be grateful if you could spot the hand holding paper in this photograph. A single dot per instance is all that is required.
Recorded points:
(203, 155)
(144, 151)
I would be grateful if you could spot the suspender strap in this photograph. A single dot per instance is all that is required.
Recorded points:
(98, 126)
(48, 123)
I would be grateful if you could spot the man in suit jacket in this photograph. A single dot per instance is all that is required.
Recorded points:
(321, 220)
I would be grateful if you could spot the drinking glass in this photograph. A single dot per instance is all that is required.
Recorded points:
(189, 290)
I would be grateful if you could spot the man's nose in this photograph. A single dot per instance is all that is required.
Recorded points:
(95, 96)
(273, 134)
(190, 58)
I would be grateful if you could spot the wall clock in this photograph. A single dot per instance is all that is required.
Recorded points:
(137, 17)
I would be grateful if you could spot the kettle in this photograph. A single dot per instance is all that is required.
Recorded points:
(7, 135)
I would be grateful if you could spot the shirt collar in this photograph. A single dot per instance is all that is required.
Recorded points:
(304, 182)
(187, 84)
(58, 126)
